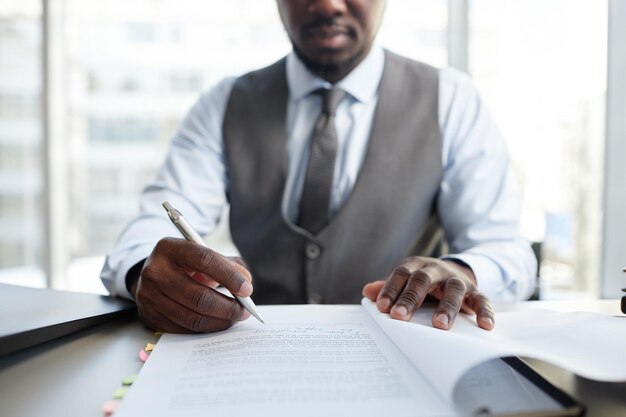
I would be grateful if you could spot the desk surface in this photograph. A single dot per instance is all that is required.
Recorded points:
(75, 375)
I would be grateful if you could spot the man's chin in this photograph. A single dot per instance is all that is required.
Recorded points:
(329, 63)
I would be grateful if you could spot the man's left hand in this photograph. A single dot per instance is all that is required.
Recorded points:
(453, 284)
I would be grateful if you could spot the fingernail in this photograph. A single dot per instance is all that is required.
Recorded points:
(245, 289)
(383, 304)
(246, 315)
(443, 318)
(401, 311)
(488, 320)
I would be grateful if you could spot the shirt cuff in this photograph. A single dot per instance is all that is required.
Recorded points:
(136, 255)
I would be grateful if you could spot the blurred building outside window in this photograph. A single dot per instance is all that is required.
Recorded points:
(541, 67)
(21, 173)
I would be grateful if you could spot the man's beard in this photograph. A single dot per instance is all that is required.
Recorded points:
(329, 71)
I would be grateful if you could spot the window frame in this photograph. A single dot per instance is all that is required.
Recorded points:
(614, 221)
(54, 157)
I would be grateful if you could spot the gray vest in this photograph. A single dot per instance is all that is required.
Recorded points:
(390, 214)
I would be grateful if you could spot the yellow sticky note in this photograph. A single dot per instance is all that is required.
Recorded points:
(149, 347)
(119, 393)
(129, 380)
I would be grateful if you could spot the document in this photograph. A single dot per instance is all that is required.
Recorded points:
(321, 361)
(590, 345)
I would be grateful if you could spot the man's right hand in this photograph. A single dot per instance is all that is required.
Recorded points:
(176, 291)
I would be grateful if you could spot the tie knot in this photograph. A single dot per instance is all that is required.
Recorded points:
(331, 99)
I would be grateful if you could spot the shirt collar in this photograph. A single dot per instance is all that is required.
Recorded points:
(362, 83)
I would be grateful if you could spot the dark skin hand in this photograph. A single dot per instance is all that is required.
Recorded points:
(452, 284)
(176, 289)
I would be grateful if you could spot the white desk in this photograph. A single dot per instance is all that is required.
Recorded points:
(75, 375)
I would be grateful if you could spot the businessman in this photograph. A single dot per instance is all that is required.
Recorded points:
(345, 167)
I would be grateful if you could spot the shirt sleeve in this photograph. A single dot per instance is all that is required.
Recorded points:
(193, 178)
(479, 204)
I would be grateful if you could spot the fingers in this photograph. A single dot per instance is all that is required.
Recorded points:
(417, 288)
(205, 312)
(175, 284)
(239, 261)
(185, 301)
(191, 256)
(160, 323)
(195, 321)
(181, 323)
(483, 309)
(372, 289)
(175, 289)
(453, 284)
(202, 279)
(211, 283)
(454, 290)
(243, 270)
(407, 287)
(394, 286)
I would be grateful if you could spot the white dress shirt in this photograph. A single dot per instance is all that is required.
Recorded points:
(478, 204)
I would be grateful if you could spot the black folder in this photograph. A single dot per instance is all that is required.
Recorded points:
(29, 316)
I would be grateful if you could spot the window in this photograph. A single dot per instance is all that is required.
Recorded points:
(124, 130)
(20, 141)
(417, 29)
(22, 106)
(541, 66)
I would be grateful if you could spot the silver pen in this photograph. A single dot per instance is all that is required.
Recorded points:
(190, 234)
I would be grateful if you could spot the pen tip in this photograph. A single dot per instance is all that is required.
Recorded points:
(167, 206)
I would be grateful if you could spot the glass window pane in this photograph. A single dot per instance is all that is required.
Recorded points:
(21, 226)
(417, 29)
(541, 66)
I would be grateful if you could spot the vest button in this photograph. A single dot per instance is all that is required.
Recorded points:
(315, 299)
(312, 251)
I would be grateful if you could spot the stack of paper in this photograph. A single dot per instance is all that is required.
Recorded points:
(352, 360)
